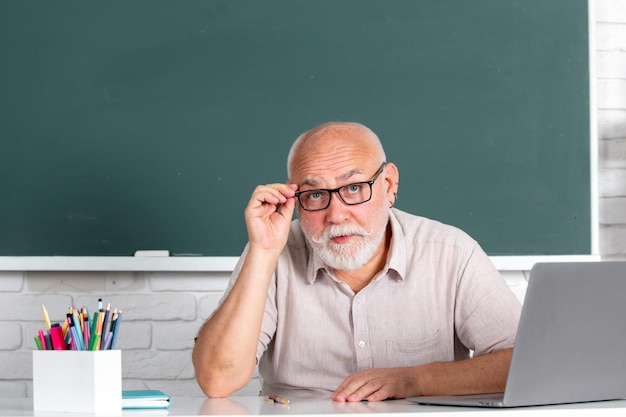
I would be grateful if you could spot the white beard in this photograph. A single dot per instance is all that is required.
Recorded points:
(347, 256)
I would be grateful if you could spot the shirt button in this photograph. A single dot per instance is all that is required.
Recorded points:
(361, 344)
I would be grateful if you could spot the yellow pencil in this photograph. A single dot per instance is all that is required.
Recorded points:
(46, 318)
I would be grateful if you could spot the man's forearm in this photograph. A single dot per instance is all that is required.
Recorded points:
(485, 373)
(224, 355)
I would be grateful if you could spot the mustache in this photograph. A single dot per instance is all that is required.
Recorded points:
(341, 230)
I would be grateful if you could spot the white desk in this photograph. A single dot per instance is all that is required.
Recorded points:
(245, 406)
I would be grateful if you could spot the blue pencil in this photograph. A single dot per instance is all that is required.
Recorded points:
(117, 317)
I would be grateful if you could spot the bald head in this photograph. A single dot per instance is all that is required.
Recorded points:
(330, 139)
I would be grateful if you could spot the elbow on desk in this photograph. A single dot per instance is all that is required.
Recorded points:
(219, 376)
(218, 381)
(215, 385)
(214, 392)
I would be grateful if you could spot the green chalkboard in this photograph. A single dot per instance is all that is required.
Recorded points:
(130, 125)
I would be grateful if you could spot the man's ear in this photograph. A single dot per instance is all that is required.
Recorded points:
(392, 181)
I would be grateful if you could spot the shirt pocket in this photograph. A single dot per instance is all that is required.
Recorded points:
(411, 352)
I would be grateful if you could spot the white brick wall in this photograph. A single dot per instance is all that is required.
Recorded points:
(162, 311)
(610, 40)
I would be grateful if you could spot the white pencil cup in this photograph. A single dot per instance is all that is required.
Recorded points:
(77, 381)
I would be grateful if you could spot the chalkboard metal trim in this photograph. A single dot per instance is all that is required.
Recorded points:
(118, 263)
(213, 263)
(525, 263)
(594, 156)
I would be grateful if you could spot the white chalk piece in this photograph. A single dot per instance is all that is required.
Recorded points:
(152, 253)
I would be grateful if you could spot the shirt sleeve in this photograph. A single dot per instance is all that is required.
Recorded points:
(487, 312)
(270, 317)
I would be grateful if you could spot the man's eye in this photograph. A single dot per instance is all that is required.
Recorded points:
(353, 188)
(314, 196)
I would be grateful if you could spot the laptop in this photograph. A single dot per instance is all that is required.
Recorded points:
(571, 339)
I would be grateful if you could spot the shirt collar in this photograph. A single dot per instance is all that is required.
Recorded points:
(395, 258)
(316, 266)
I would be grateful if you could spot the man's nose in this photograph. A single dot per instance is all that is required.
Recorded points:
(337, 209)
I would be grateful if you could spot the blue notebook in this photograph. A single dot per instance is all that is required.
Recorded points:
(145, 398)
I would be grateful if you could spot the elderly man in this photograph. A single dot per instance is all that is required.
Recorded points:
(355, 298)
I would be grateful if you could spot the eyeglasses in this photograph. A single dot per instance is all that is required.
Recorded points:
(351, 194)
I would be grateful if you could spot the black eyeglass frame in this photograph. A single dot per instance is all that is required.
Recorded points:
(336, 190)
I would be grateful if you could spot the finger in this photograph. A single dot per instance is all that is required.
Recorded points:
(372, 390)
(379, 394)
(287, 208)
(273, 194)
(364, 386)
(282, 191)
(347, 388)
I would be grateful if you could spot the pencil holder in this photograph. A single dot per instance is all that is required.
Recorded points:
(77, 381)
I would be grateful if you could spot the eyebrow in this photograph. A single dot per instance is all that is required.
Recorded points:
(314, 183)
